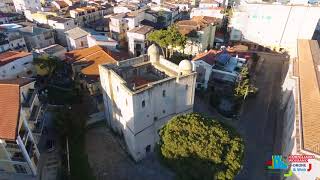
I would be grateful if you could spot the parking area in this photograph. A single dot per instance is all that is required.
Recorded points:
(109, 160)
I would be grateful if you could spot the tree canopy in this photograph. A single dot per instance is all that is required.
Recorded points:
(168, 40)
(48, 63)
(197, 147)
(244, 87)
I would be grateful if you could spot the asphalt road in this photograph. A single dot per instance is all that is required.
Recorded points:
(260, 122)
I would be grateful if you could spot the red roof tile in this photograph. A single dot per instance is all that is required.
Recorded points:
(10, 56)
(9, 110)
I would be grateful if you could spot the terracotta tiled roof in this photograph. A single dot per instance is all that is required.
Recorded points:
(197, 23)
(94, 56)
(9, 110)
(10, 56)
(208, 57)
(309, 55)
(62, 4)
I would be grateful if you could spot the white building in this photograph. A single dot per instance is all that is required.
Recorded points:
(37, 37)
(22, 5)
(216, 66)
(77, 38)
(208, 4)
(211, 12)
(61, 25)
(21, 128)
(141, 94)
(84, 15)
(137, 39)
(102, 40)
(15, 64)
(300, 104)
(273, 25)
(200, 32)
(120, 23)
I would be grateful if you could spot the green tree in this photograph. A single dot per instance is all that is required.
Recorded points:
(244, 87)
(50, 64)
(197, 147)
(168, 40)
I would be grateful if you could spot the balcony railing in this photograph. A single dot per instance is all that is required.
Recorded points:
(35, 113)
(30, 97)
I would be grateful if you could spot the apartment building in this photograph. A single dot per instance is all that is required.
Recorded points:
(300, 104)
(137, 40)
(12, 41)
(22, 5)
(258, 23)
(77, 38)
(200, 31)
(21, 124)
(60, 26)
(141, 94)
(36, 37)
(84, 15)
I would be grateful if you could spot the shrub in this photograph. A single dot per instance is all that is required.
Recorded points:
(196, 147)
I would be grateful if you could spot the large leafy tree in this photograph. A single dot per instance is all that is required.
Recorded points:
(49, 63)
(197, 147)
(168, 40)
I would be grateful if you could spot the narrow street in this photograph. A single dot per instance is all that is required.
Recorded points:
(259, 121)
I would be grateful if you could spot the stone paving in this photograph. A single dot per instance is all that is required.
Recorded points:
(109, 160)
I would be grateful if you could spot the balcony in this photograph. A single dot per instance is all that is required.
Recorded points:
(30, 98)
(18, 156)
(35, 113)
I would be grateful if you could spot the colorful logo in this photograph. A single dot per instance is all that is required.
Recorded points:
(295, 163)
(278, 162)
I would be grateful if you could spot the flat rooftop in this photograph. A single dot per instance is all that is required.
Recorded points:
(139, 72)
(144, 29)
(309, 78)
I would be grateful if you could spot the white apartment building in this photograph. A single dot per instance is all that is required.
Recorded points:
(22, 123)
(120, 23)
(13, 41)
(86, 14)
(14, 64)
(211, 12)
(300, 104)
(36, 37)
(137, 39)
(274, 25)
(60, 26)
(77, 38)
(23, 5)
(21, 128)
(141, 94)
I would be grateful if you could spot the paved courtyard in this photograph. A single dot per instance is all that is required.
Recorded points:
(109, 161)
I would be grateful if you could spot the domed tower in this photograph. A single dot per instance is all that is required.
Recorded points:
(153, 53)
(185, 67)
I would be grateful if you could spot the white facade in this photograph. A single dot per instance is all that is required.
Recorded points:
(204, 39)
(274, 26)
(21, 67)
(101, 40)
(22, 5)
(61, 25)
(76, 38)
(211, 12)
(137, 39)
(86, 15)
(138, 110)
